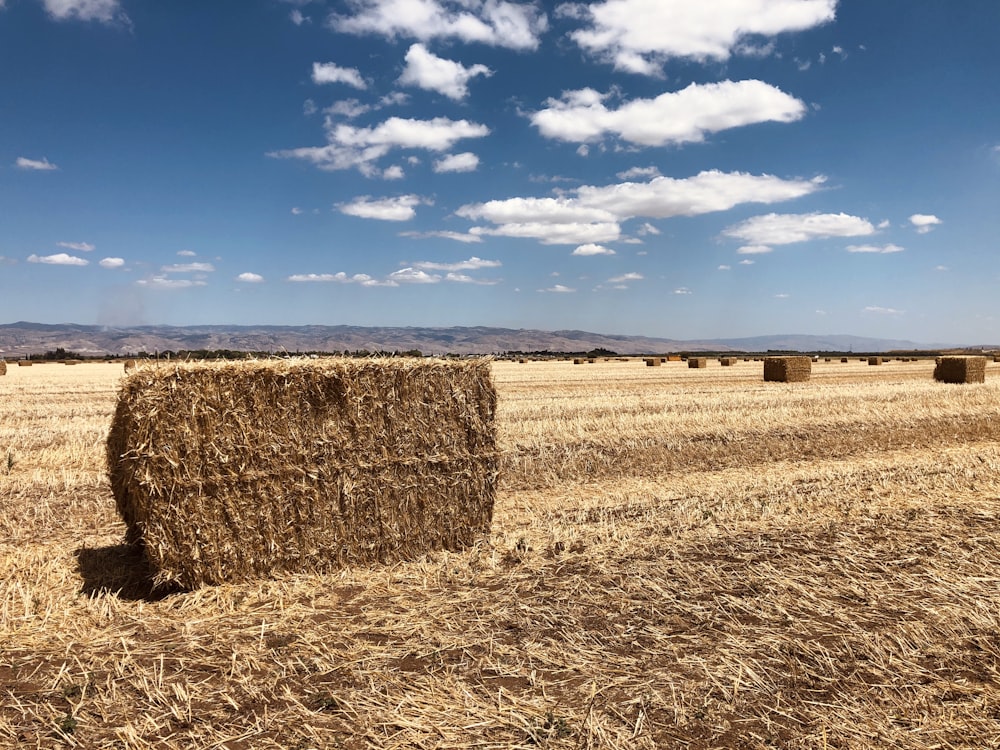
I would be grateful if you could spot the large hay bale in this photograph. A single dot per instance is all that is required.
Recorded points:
(843, 360)
(728, 361)
(653, 362)
(697, 362)
(232, 471)
(24, 363)
(787, 369)
(874, 360)
(3, 367)
(960, 370)
(673, 358)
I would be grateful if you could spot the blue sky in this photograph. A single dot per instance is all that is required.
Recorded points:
(649, 167)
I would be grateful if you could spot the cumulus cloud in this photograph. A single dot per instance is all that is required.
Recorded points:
(472, 264)
(104, 11)
(340, 278)
(443, 234)
(682, 290)
(881, 249)
(675, 117)
(395, 172)
(399, 208)
(192, 253)
(188, 268)
(635, 172)
(413, 276)
(59, 259)
(754, 250)
(162, 282)
(590, 214)
(877, 310)
(333, 73)
(638, 36)
(626, 277)
(785, 229)
(593, 249)
(558, 289)
(83, 247)
(111, 262)
(724, 267)
(494, 22)
(426, 70)
(352, 147)
(461, 278)
(37, 165)
(924, 223)
(464, 162)
(347, 108)
(250, 278)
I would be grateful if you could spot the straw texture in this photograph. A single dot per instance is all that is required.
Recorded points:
(227, 472)
(787, 369)
(3, 367)
(960, 370)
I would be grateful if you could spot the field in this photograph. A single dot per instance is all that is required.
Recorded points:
(679, 559)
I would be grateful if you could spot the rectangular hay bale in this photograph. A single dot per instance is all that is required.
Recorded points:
(653, 362)
(960, 370)
(697, 362)
(874, 360)
(728, 361)
(3, 367)
(233, 471)
(787, 369)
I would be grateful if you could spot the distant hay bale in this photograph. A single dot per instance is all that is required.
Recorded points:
(3, 367)
(653, 362)
(579, 361)
(996, 359)
(591, 360)
(961, 370)
(697, 362)
(874, 360)
(843, 360)
(71, 361)
(787, 369)
(24, 363)
(728, 361)
(827, 359)
(673, 358)
(233, 471)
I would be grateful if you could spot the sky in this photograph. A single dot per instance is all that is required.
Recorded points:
(642, 167)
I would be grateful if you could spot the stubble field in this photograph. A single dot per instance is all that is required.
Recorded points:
(679, 559)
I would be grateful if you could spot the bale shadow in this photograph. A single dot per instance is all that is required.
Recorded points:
(120, 570)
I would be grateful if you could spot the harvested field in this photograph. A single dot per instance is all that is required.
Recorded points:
(685, 558)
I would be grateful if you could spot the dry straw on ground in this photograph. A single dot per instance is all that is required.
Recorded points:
(697, 362)
(787, 369)
(229, 472)
(960, 370)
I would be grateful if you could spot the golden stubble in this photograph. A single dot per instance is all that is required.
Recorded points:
(679, 558)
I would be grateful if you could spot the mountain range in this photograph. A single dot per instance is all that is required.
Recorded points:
(23, 338)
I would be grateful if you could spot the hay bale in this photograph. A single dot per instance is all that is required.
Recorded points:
(24, 363)
(653, 362)
(673, 358)
(996, 359)
(874, 361)
(233, 471)
(3, 367)
(697, 362)
(579, 361)
(960, 370)
(843, 360)
(787, 369)
(728, 361)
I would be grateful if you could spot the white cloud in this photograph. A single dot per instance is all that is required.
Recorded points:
(395, 172)
(682, 290)
(38, 165)
(558, 289)
(443, 234)
(105, 11)
(192, 253)
(348, 108)
(782, 295)
(494, 22)
(296, 211)
(333, 73)
(647, 228)
(724, 267)
(924, 222)
(591, 214)
(593, 249)
(297, 18)
(461, 278)
(747, 262)
(59, 259)
(83, 247)
(426, 70)
(784, 229)
(941, 268)
(472, 264)
(754, 250)
(684, 116)
(882, 249)
(188, 268)
(626, 277)
(634, 172)
(162, 282)
(111, 262)
(400, 208)
(414, 276)
(464, 162)
(349, 146)
(876, 310)
(250, 278)
(639, 35)
(341, 278)
(309, 107)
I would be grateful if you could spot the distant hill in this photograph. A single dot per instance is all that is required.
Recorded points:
(19, 339)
